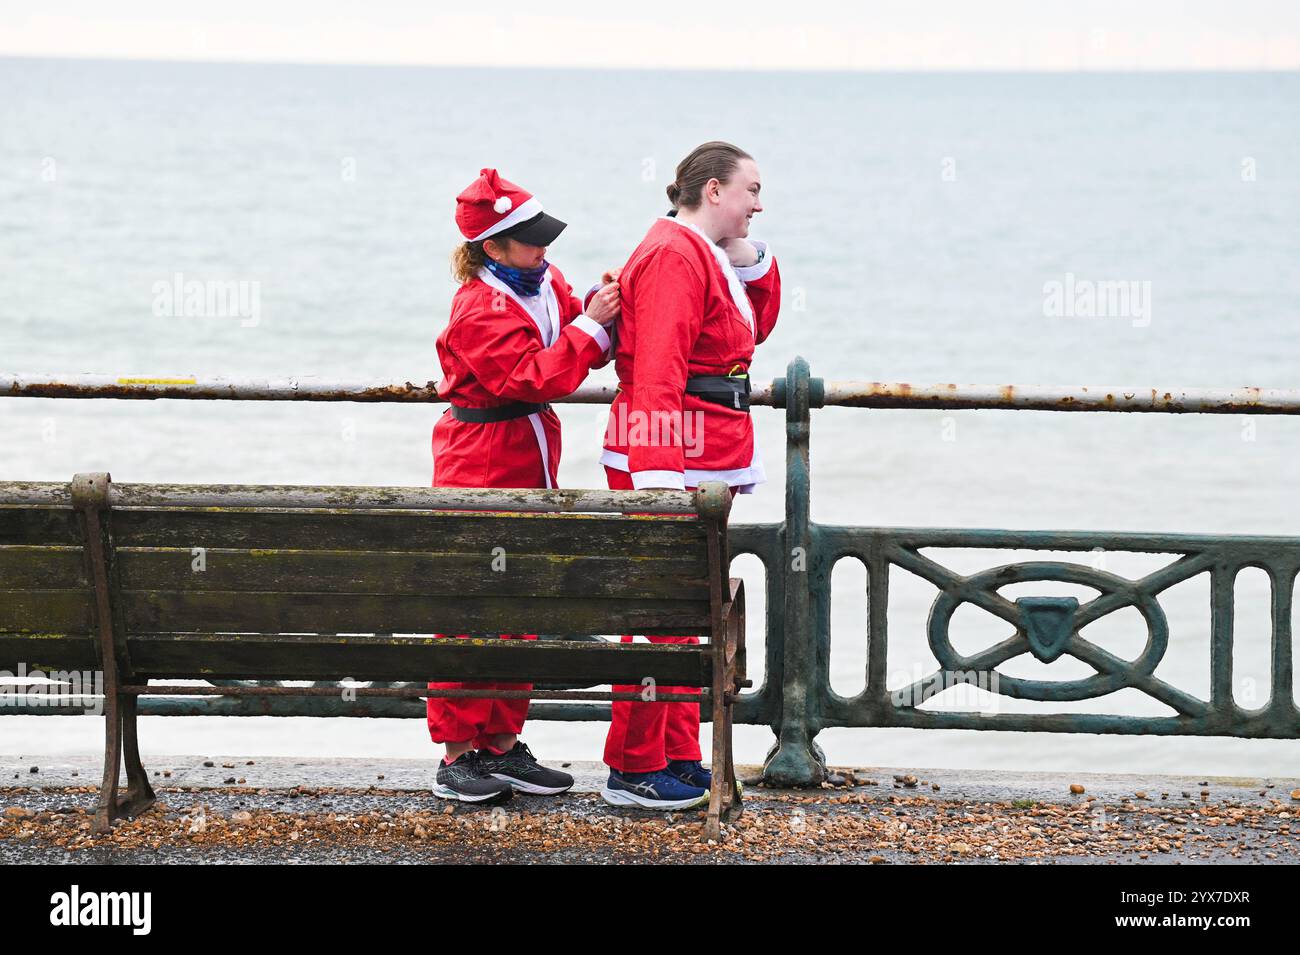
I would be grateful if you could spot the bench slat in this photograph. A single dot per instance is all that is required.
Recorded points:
(443, 532)
(674, 577)
(25, 567)
(221, 657)
(21, 524)
(47, 651)
(47, 611)
(367, 613)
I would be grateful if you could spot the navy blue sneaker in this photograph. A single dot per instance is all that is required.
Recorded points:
(691, 772)
(651, 791)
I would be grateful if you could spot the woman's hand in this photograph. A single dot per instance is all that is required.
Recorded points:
(741, 252)
(604, 305)
(611, 276)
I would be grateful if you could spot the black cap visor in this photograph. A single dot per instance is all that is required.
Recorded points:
(541, 229)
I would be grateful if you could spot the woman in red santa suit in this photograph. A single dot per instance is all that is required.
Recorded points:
(697, 296)
(518, 337)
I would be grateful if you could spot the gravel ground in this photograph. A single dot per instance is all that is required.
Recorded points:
(903, 818)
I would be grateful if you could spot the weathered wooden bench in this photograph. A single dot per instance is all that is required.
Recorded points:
(253, 583)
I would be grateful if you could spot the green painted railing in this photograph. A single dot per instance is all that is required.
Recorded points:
(799, 556)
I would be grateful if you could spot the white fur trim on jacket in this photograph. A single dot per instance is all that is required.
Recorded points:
(593, 328)
(743, 479)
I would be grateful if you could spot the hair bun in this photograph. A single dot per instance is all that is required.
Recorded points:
(674, 191)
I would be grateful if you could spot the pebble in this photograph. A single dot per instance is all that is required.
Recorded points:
(1076, 789)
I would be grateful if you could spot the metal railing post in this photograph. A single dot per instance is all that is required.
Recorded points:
(795, 759)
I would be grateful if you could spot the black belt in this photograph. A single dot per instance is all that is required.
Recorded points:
(516, 409)
(730, 391)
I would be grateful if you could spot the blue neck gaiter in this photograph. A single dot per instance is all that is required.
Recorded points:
(522, 281)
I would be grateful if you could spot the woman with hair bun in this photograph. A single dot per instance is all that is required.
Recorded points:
(697, 295)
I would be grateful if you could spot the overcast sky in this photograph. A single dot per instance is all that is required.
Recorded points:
(751, 34)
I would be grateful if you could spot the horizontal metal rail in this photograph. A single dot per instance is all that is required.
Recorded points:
(848, 394)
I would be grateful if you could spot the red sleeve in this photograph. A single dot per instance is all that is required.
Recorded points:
(508, 359)
(668, 302)
(763, 286)
(571, 307)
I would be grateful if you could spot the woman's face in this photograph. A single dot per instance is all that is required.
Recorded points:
(737, 200)
(515, 255)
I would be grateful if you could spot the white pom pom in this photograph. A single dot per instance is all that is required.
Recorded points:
(502, 205)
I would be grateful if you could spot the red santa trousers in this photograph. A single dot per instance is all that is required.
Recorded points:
(643, 737)
(460, 720)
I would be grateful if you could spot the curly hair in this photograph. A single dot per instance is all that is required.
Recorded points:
(466, 259)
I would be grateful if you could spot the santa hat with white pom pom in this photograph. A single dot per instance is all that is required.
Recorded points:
(494, 208)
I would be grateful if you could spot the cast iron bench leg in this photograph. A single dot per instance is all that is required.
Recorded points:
(712, 825)
(724, 793)
(106, 811)
(732, 805)
(120, 740)
(140, 795)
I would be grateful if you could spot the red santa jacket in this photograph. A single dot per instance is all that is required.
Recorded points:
(686, 312)
(499, 348)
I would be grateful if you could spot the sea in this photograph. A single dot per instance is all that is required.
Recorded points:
(1064, 229)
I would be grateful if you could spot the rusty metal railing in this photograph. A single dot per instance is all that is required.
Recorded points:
(850, 394)
(796, 700)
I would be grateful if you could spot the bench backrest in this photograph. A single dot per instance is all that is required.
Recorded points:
(248, 582)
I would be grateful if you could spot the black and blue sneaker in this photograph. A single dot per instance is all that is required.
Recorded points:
(518, 767)
(691, 772)
(659, 790)
(465, 779)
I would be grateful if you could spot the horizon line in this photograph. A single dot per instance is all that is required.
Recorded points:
(414, 64)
